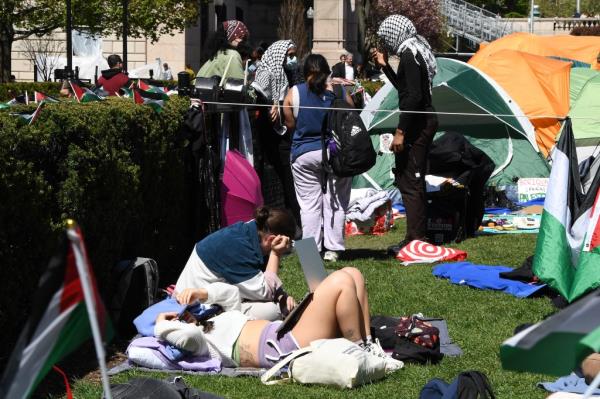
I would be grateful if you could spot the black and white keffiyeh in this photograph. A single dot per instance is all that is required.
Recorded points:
(398, 33)
(270, 76)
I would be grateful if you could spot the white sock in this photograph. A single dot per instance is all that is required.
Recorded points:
(369, 339)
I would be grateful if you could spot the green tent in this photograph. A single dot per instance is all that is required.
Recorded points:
(585, 106)
(493, 124)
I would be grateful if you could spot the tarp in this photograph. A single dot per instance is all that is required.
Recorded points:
(577, 48)
(540, 86)
(585, 106)
(460, 88)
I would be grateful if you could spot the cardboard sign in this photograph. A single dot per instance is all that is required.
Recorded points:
(531, 188)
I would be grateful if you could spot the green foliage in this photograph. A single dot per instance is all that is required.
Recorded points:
(371, 87)
(514, 14)
(478, 321)
(10, 90)
(20, 19)
(113, 166)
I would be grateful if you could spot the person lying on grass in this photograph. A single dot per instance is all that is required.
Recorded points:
(246, 256)
(339, 308)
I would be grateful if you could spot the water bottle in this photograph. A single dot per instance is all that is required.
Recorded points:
(278, 125)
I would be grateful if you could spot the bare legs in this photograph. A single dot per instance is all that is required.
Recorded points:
(339, 308)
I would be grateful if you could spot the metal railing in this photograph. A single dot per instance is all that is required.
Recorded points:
(474, 23)
(567, 24)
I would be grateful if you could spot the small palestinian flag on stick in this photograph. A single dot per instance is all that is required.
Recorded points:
(155, 100)
(153, 89)
(83, 94)
(38, 97)
(30, 118)
(66, 311)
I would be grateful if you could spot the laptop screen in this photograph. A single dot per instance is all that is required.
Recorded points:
(311, 262)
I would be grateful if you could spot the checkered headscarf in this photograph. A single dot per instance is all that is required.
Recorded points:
(235, 29)
(398, 33)
(270, 75)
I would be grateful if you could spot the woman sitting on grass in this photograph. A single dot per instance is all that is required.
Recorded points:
(339, 308)
(245, 256)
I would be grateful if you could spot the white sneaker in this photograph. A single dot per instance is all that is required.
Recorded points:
(391, 364)
(330, 256)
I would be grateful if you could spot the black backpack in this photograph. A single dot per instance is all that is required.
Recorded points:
(151, 388)
(137, 289)
(344, 134)
(468, 385)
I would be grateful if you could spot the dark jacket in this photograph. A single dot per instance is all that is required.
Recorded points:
(412, 82)
(112, 80)
(339, 70)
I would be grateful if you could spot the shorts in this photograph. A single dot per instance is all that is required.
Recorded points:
(270, 349)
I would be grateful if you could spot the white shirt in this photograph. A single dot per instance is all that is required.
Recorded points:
(218, 343)
(167, 75)
(349, 72)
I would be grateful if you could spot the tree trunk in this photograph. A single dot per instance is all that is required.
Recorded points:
(7, 36)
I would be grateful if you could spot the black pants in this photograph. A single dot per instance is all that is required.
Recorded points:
(275, 150)
(410, 171)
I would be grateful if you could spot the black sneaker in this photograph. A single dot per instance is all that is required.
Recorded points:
(394, 249)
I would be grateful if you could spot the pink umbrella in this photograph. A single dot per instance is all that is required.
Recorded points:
(240, 190)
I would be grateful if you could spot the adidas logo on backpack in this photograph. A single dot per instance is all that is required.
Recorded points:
(344, 130)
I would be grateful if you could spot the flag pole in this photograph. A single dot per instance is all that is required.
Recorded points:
(592, 387)
(84, 277)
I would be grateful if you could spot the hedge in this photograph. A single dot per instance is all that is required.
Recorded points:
(10, 90)
(115, 167)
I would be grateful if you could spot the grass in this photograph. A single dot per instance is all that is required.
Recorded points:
(478, 321)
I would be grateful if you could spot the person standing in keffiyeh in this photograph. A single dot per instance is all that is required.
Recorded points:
(219, 56)
(274, 76)
(414, 134)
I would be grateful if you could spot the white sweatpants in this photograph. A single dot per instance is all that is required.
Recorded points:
(323, 215)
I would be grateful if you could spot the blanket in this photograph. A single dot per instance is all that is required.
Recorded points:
(422, 252)
(485, 278)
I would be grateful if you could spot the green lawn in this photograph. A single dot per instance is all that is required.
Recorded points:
(478, 321)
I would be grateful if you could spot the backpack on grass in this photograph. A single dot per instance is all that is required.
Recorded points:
(137, 289)
(347, 147)
(468, 385)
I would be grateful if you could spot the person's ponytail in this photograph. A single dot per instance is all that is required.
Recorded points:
(275, 221)
(316, 71)
(261, 215)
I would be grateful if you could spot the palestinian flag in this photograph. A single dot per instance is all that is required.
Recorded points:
(558, 344)
(567, 255)
(59, 320)
(83, 94)
(155, 100)
(30, 118)
(38, 97)
(124, 92)
(153, 89)
(20, 99)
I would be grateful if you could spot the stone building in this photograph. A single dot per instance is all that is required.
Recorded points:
(333, 22)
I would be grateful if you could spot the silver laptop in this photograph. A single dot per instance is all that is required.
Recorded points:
(314, 273)
(311, 262)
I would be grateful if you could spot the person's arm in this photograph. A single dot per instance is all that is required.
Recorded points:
(185, 336)
(225, 295)
(288, 112)
(411, 101)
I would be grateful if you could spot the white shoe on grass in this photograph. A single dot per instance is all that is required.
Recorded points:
(330, 256)
(375, 349)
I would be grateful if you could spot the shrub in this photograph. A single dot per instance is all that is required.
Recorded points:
(113, 166)
(9, 90)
